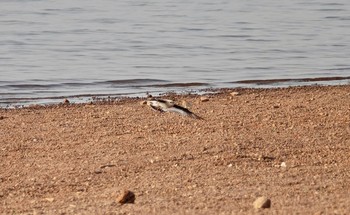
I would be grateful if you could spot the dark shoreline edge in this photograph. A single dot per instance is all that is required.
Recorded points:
(110, 100)
(201, 89)
(295, 80)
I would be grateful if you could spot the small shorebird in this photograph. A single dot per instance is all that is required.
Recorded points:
(166, 105)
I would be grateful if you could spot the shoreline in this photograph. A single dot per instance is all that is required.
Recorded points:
(288, 144)
(155, 85)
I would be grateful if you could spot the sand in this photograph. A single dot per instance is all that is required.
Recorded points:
(291, 145)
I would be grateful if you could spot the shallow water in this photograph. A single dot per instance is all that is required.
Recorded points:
(50, 50)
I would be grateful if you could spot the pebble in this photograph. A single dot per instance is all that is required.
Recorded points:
(262, 202)
(283, 164)
(49, 199)
(234, 93)
(66, 101)
(126, 196)
(143, 102)
(204, 99)
(98, 171)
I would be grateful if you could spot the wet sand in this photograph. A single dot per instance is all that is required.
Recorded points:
(291, 145)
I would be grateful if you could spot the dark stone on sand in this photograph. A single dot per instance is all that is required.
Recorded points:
(126, 196)
(262, 202)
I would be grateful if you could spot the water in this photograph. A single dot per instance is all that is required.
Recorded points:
(55, 49)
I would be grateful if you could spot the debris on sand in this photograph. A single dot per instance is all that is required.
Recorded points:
(204, 99)
(283, 165)
(234, 93)
(262, 202)
(126, 196)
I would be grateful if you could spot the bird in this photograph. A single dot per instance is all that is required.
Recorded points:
(167, 105)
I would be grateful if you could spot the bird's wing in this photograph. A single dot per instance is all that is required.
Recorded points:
(167, 103)
(183, 111)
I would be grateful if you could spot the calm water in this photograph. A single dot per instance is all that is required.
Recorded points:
(53, 49)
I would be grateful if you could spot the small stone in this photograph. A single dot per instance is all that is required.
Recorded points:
(283, 164)
(276, 106)
(204, 99)
(262, 202)
(126, 196)
(143, 102)
(1, 117)
(98, 171)
(66, 101)
(49, 199)
(235, 94)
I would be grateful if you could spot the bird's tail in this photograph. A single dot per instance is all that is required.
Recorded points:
(194, 116)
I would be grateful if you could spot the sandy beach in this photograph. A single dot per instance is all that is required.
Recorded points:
(291, 145)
